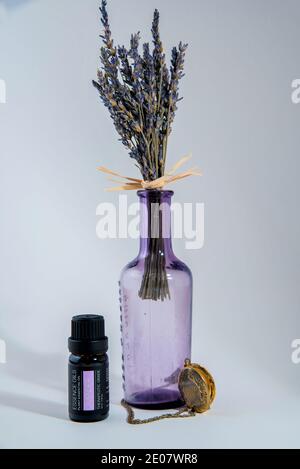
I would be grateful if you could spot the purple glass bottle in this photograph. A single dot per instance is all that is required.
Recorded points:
(156, 310)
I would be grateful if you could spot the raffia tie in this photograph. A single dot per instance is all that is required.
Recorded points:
(133, 184)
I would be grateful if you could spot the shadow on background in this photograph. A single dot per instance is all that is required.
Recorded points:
(49, 370)
(34, 405)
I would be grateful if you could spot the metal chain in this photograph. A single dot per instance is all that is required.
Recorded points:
(184, 412)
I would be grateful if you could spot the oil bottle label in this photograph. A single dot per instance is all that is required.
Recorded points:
(89, 389)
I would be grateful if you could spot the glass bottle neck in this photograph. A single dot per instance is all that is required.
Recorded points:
(155, 221)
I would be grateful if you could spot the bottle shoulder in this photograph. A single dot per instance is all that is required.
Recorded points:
(137, 266)
(179, 265)
(87, 359)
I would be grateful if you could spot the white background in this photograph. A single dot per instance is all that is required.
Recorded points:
(239, 121)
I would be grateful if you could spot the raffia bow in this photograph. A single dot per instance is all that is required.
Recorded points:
(136, 184)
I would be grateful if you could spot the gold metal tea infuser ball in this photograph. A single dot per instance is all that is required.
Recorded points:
(198, 391)
(197, 387)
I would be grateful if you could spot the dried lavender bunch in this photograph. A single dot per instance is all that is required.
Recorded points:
(141, 95)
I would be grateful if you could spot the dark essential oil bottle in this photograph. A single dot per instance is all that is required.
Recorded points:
(88, 370)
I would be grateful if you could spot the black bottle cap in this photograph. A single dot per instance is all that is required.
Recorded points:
(88, 335)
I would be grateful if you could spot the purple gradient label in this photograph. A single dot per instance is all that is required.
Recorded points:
(88, 390)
